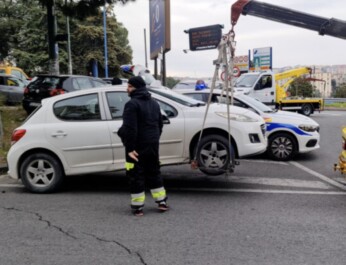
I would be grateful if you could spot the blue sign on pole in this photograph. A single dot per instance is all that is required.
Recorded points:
(157, 27)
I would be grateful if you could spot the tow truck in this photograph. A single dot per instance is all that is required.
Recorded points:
(271, 89)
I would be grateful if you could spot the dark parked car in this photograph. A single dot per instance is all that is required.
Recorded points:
(44, 86)
(12, 89)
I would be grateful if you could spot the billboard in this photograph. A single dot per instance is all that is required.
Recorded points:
(159, 16)
(205, 38)
(242, 62)
(262, 59)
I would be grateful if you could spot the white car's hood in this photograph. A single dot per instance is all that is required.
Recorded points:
(289, 117)
(216, 107)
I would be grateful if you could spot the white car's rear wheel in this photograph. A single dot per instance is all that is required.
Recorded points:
(41, 173)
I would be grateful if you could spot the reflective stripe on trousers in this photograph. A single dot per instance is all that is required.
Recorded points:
(158, 194)
(138, 199)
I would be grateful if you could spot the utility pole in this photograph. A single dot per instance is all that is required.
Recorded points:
(52, 44)
(105, 39)
(145, 49)
(68, 44)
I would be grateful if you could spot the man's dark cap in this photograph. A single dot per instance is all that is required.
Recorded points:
(137, 82)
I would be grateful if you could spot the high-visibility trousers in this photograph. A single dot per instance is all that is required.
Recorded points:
(145, 173)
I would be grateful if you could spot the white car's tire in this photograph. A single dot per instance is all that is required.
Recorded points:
(214, 155)
(41, 173)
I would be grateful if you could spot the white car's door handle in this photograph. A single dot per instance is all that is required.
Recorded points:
(59, 134)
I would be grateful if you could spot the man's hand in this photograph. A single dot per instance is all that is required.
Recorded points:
(133, 155)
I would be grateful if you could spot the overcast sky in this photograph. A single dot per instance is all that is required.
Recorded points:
(291, 45)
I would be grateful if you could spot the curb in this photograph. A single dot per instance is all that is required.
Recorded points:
(3, 169)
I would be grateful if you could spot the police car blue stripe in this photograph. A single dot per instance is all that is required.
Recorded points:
(272, 126)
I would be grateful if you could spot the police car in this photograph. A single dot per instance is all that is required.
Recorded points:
(288, 133)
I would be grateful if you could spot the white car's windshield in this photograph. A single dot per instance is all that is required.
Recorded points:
(246, 80)
(181, 99)
(254, 103)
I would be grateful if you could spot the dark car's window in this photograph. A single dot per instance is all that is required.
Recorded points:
(79, 108)
(44, 82)
(82, 83)
(116, 103)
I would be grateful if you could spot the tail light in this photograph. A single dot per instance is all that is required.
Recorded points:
(17, 135)
(26, 90)
(57, 91)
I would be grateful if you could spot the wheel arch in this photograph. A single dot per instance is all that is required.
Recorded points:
(37, 150)
(211, 131)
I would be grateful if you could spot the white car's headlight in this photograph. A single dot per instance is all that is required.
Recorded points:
(236, 117)
(309, 127)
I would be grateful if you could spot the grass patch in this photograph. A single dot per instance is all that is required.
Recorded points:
(10, 117)
(337, 105)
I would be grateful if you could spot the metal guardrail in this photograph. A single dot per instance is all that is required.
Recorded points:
(334, 100)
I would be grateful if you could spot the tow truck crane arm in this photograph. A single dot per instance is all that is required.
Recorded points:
(324, 26)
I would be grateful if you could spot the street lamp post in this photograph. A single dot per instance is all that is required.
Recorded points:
(105, 39)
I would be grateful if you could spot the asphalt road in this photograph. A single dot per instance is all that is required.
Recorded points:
(264, 213)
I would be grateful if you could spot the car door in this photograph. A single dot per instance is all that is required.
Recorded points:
(173, 146)
(76, 130)
(264, 89)
(171, 140)
(116, 101)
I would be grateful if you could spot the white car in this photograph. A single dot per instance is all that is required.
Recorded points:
(76, 133)
(288, 133)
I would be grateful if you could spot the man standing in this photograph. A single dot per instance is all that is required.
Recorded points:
(140, 134)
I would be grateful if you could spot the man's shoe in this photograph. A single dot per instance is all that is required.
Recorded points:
(163, 207)
(138, 212)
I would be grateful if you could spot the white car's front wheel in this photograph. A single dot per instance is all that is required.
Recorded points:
(41, 173)
(214, 155)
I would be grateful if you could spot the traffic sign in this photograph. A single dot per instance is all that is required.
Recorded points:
(236, 73)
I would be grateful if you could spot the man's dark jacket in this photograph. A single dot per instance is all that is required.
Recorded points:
(142, 121)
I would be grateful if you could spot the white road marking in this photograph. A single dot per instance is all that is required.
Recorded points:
(318, 175)
(264, 161)
(11, 186)
(312, 184)
(262, 191)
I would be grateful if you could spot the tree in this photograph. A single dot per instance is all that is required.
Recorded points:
(341, 91)
(72, 8)
(301, 87)
(171, 82)
(26, 44)
(88, 38)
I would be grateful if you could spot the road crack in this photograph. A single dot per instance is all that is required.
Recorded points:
(128, 250)
(41, 219)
